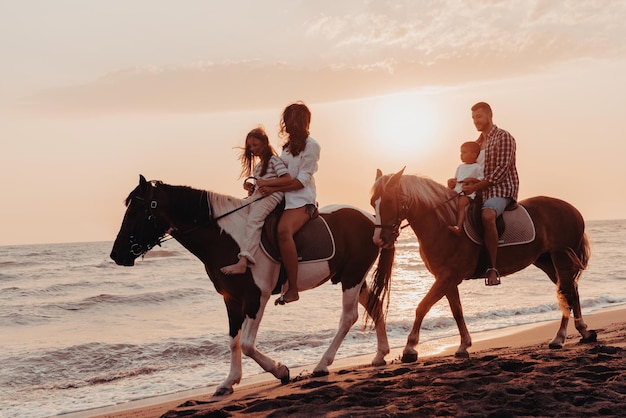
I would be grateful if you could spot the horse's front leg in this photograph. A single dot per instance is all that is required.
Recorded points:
(376, 313)
(454, 300)
(436, 292)
(249, 331)
(349, 315)
(234, 377)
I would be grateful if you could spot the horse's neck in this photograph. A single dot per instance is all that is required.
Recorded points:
(207, 242)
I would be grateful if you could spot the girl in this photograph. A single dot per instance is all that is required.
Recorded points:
(270, 166)
(301, 154)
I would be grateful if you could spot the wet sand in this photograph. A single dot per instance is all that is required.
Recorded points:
(505, 376)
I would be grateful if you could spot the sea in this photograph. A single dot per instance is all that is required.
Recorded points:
(78, 332)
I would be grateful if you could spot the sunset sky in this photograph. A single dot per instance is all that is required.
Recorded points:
(94, 93)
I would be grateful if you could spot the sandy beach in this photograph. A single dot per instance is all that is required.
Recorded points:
(505, 376)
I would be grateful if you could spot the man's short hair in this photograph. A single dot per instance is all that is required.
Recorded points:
(482, 105)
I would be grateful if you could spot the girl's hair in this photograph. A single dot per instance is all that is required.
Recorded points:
(246, 157)
(294, 125)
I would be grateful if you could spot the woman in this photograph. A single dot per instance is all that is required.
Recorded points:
(301, 154)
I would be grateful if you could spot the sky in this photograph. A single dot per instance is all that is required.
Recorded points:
(95, 93)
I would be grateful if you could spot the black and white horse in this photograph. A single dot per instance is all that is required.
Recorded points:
(190, 216)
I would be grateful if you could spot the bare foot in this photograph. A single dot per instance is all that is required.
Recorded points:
(455, 229)
(238, 268)
(493, 277)
(287, 297)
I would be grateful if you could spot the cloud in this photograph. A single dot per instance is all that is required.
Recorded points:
(382, 47)
(429, 31)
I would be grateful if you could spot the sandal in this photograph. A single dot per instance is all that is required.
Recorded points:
(497, 282)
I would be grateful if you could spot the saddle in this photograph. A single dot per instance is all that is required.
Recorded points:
(515, 227)
(314, 241)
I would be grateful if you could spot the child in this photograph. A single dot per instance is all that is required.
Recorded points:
(470, 169)
(269, 167)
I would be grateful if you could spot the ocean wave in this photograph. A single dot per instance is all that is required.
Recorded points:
(100, 363)
(149, 298)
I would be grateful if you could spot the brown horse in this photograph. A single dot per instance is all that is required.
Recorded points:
(560, 249)
(209, 225)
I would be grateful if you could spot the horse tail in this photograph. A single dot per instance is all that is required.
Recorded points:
(580, 256)
(377, 304)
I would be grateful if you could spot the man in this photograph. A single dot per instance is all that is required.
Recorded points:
(501, 183)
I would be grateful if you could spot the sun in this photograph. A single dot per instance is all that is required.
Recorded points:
(404, 123)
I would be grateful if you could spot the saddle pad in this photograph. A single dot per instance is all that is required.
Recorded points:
(314, 242)
(519, 228)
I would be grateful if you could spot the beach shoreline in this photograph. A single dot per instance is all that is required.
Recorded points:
(512, 342)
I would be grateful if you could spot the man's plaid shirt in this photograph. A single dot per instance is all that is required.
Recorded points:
(500, 168)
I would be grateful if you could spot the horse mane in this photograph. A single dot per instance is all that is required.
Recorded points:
(235, 223)
(430, 195)
(131, 195)
(425, 193)
(188, 199)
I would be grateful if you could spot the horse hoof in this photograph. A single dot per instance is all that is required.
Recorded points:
(223, 391)
(592, 338)
(383, 362)
(409, 358)
(282, 373)
(461, 354)
(555, 346)
(320, 373)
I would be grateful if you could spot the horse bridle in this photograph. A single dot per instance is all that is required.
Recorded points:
(139, 249)
(402, 209)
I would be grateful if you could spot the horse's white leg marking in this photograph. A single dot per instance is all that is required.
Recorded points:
(234, 377)
(349, 315)
(381, 331)
(454, 300)
(249, 331)
(265, 273)
(561, 334)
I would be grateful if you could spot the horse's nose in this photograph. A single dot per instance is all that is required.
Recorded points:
(122, 261)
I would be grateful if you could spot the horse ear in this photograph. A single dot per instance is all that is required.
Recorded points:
(142, 181)
(395, 179)
(379, 173)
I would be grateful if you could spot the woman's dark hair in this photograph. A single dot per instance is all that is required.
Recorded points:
(247, 159)
(294, 124)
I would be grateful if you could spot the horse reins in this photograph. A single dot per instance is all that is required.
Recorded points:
(153, 204)
(396, 228)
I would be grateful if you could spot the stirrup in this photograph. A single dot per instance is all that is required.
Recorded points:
(497, 276)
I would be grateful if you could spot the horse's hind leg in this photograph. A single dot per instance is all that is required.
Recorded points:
(569, 269)
(376, 313)
(349, 316)
(546, 263)
(564, 271)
